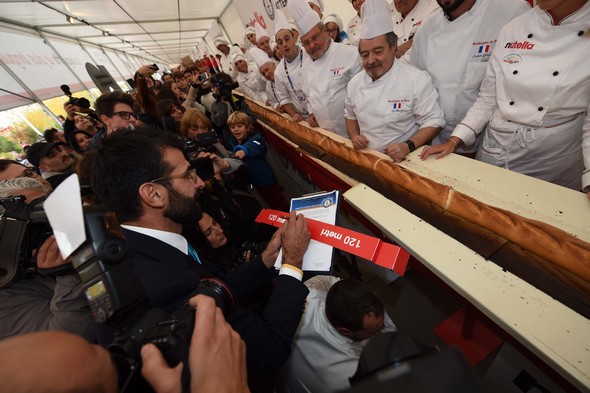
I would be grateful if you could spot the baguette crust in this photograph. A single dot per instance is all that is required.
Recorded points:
(543, 240)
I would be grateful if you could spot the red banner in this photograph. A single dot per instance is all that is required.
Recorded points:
(368, 247)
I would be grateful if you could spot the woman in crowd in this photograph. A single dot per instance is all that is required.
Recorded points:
(250, 84)
(534, 103)
(333, 25)
(80, 141)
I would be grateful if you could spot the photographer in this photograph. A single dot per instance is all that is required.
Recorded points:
(35, 302)
(153, 194)
(63, 363)
(76, 109)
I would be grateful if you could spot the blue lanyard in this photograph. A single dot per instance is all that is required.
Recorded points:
(287, 71)
(272, 86)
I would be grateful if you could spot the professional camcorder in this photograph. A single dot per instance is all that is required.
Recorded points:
(225, 84)
(119, 302)
(79, 101)
(23, 229)
(201, 143)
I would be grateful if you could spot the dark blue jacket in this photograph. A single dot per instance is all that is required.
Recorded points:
(254, 146)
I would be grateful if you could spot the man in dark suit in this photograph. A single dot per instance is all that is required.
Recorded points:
(143, 176)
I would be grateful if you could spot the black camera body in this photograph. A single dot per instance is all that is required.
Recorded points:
(79, 101)
(23, 229)
(119, 302)
(201, 143)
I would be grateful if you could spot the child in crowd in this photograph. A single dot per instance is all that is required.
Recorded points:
(250, 147)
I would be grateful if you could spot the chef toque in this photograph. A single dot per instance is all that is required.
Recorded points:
(260, 32)
(259, 57)
(333, 18)
(376, 19)
(305, 18)
(220, 40)
(281, 22)
(239, 56)
(319, 3)
(249, 30)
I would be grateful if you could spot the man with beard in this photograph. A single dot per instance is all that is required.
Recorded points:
(144, 178)
(288, 74)
(327, 70)
(54, 163)
(453, 46)
(391, 106)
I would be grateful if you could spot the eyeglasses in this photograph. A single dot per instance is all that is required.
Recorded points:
(190, 174)
(125, 115)
(332, 30)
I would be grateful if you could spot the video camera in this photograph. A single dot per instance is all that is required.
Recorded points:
(79, 101)
(117, 300)
(225, 84)
(201, 143)
(23, 229)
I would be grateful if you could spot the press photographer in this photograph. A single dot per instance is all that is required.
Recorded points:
(30, 301)
(79, 115)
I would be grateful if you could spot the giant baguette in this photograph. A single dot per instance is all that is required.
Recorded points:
(545, 241)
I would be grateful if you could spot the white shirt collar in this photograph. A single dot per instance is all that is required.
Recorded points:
(173, 239)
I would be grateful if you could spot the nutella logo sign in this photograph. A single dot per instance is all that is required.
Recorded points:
(519, 45)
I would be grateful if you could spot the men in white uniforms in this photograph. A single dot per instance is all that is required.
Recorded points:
(326, 72)
(411, 14)
(390, 106)
(353, 28)
(288, 77)
(227, 53)
(326, 349)
(249, 79)
(266, 67)
(454, 47)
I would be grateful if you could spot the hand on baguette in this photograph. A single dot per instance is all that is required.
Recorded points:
(359, 141)
(397, 151)
(438, 150)
(312, 121)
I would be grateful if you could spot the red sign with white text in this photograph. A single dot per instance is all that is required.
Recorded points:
(368, 247)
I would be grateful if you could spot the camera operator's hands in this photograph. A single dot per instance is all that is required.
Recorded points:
(217, 356)
(219, 164)
(48, 256)
(295, 238)
(71, 110)
(146, 70)
(157, 373)
(271, 252)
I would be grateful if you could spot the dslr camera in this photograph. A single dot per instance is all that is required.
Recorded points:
(79, 101)
(23, 229)
(118, 301)
(225, 84)
(201, 143)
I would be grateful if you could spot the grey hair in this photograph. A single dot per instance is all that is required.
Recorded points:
(391, 38)
(12, 187)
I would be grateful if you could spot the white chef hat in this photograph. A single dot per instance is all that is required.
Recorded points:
(249, 30)
(260, 32)
(319, 3)
(333, 18)
(220, 40)
(281, 21)
(376, 19)
(259, 57)
(292, 25)
(305, 18)
(238, 56)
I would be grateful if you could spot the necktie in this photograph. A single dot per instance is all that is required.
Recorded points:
(193, 254)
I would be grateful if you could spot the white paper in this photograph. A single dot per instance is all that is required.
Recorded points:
(320, 207)
(63, 208)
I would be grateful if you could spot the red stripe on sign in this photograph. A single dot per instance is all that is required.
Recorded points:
(368, 247)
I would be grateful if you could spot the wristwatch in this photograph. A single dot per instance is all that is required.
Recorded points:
(411, 145)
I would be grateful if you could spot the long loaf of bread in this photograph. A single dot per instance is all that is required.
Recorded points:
(543, 240)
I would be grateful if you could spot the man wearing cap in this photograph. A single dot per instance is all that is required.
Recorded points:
(317, 6)
(288, 74)
(391, 106)
(454, 46)
(249, 79)
(411, 14)
(326, 72)
(52, 160)
(263, 40)
(227, 53)
(266, 67)
(353, 29)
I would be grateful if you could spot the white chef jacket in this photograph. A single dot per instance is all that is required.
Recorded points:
(271, 94)
(227, 64)
(252, 83)
(405, 28)
(353, 30)
(535, 96)
(455, 54)
(324, 85)
(394, 107)
(321, 359)
(289, 83)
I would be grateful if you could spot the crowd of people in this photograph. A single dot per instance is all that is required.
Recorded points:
(181, 163)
